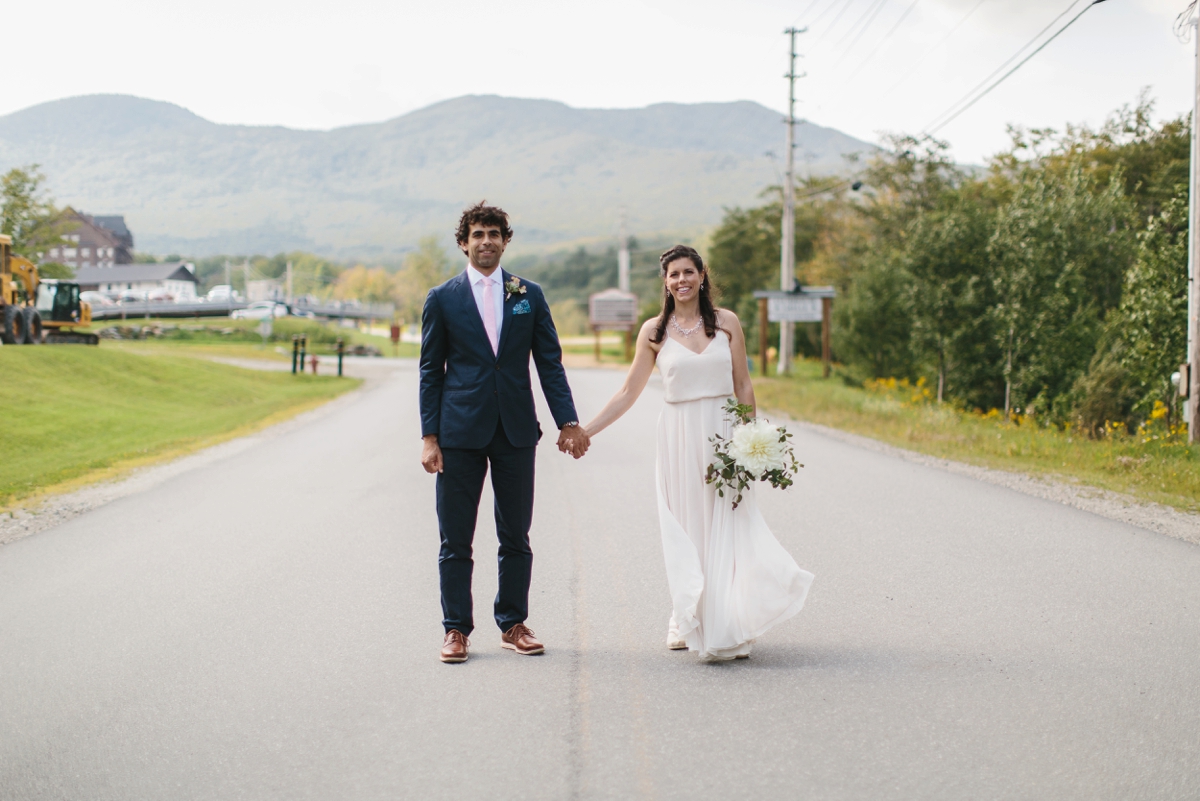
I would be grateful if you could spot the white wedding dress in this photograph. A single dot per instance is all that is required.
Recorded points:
(730, 578)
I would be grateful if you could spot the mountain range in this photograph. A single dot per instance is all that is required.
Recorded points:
(190, 186)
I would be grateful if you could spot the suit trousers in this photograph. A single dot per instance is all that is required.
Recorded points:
(459, 486)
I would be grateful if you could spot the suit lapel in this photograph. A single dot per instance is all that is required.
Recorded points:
(466, 296)
(509, 302)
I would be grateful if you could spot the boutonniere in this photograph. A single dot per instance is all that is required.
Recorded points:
(513, 287)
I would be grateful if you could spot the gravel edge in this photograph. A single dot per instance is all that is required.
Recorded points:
(1112, 505)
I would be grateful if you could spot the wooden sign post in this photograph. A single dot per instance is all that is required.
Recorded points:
(613, 310)
(805, 305)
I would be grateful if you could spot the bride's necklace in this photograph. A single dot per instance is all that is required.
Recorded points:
(686, 332)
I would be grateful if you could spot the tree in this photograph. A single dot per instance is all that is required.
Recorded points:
(367, 285)
(27, 215)
(946, 258)
(1146, 338)
(873, 324)
(1058, 258)
(423, 269)
(875, 319)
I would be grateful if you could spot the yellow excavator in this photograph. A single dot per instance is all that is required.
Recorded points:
(35, 310)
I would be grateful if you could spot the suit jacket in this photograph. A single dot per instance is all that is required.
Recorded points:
(465, 388)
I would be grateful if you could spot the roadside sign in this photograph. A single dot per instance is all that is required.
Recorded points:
(265, 327)
(794, 310)
(804, 304)
(613, 310)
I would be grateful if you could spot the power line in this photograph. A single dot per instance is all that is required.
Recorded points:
(861, 31)
(834, 23)
(821, 16)
(805, 11)
(875, 5)
(930, 130)
(940, 42)
(880, 43)
(1010, 60)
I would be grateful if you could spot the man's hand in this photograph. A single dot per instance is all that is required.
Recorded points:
(573, 440)
(431, 455)
(581, 442)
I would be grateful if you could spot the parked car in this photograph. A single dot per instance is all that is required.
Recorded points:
(161, 295)
(130, 296)
(96, 298)
(221, 293)
(260, 310)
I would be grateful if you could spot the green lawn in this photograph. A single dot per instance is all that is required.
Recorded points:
(1153, 465)
(75, 413)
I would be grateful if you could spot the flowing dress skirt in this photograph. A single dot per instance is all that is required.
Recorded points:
(730, 579)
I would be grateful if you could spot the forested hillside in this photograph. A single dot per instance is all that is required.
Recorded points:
(188, 185)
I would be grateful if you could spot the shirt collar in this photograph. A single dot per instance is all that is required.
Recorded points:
(474, 275)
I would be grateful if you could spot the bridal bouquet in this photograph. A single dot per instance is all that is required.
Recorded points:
(754, 451)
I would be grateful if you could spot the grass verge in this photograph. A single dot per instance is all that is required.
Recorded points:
(1151, 465)
(74, 414)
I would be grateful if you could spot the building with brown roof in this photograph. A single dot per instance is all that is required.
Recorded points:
(91, 241)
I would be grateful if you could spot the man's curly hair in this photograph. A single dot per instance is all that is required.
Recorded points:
(482, 214)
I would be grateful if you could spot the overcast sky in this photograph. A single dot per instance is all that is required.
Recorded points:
(873, 65)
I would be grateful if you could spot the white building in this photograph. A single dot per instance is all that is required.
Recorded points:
(264, 289)
(177, 278)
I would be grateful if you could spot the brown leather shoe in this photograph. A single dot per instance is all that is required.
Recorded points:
(520, 639)
(454, 649)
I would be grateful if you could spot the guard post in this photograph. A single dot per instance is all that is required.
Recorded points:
(613, 310)
(303, 350)
(395, 332)
(341, 352)
(295, 351)
(812, 304)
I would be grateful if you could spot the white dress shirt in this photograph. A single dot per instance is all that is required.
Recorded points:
(497, 278)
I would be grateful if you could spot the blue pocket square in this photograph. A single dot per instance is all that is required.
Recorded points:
(522, 308)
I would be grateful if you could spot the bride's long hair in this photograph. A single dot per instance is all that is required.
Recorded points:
(708, 312)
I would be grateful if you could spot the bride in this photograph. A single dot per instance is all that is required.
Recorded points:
(730, 579)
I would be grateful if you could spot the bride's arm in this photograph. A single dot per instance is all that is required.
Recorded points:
(635, 382)
(743, 387)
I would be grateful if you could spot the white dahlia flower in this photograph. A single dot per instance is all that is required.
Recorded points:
(755, 446)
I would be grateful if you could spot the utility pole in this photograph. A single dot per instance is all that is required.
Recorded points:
(787, 245)
(229, 283)
(246, 278)
(289, 283)
(623, 257)
(1191, 412)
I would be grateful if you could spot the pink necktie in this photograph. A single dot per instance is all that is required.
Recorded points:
(489, 315)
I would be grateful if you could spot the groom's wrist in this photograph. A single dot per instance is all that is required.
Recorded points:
(570, 424)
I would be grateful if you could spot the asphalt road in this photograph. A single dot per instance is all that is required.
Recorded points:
(266, 627)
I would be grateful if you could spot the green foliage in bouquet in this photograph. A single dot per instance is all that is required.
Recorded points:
(754, 451)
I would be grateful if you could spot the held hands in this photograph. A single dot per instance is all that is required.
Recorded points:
(574, 440)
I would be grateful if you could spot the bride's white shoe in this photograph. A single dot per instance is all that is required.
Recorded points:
(674, 641)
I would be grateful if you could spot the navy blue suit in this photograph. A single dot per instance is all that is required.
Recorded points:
(480, 406)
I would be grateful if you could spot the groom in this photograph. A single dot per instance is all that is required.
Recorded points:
(478, 331)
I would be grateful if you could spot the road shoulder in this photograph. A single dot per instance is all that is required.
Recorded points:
(1111, 505)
